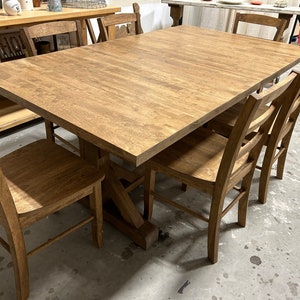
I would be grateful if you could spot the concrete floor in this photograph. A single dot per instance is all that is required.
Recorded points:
(260, 261)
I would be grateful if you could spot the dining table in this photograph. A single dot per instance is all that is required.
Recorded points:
(133, 97)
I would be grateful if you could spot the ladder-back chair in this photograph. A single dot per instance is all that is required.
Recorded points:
(34, 34)
(120, 25)
(216, 165)
(277, 143)
(36, 181)
(263, 20)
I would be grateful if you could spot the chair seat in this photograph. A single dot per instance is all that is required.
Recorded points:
(197, 155)
(32, 171)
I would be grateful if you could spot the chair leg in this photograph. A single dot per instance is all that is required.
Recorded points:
(282, 158)
(149, 187)
(96, 207)
(49, 130)
(213, 238)
(20, 263)
(214, 222)
(243, 202)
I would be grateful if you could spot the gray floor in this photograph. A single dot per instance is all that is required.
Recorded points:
(260, 261)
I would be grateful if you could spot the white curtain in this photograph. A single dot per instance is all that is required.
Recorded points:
(222, 19)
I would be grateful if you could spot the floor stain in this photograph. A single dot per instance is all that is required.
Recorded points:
(255, 260)
(180, 291)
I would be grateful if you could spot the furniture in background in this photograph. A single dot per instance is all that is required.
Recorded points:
(140, 98)
(216, 165)
(36, 181)
(11, 114)
(177, 8)
(34, 35)
(120, 25)
(263, 20)
(41, 15)
(277, 142)
(12, 47)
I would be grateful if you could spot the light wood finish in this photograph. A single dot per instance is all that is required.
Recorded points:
(120, 25)
(36, 181)
(277, 142)
(267, 21)
(134, 97)
(35, 33)
(177, 8)
(12, 47)
(216, 165)
(40, 15)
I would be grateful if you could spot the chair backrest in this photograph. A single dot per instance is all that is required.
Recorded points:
(120, 25)
(11, 45)
(279, 24)
(243, 156)
(35, 33)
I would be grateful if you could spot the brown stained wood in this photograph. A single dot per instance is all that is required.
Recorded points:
(36, 181)
(12, 47)
(41, 15)
(263, 20)
(215, 164)
(161, 99)
(185, 77)
(278, 139)
(120, 25)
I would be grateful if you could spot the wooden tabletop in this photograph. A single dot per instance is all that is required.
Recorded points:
(289, 10)
(41, 14)
(136, 96)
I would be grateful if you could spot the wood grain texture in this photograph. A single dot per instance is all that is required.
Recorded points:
(41, 14)
(136, 96)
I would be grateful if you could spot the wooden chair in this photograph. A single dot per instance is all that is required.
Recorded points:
(35, 34)
(120, 25)
(216, 165)
(12, 47)
(269, 22)
(277, 143)
(279, 24)
(36, 181)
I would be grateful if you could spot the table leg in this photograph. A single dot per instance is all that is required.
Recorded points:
(120, 210)
(287, 18)
(176, 13)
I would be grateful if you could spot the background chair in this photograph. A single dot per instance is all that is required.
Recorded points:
(268, 22)
(278, 24)
(277, 142)
(120, 25)
(36, 181)
(64, 35)
(12, 47)
(216, 165)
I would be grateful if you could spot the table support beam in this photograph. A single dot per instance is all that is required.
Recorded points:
(122, 213)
